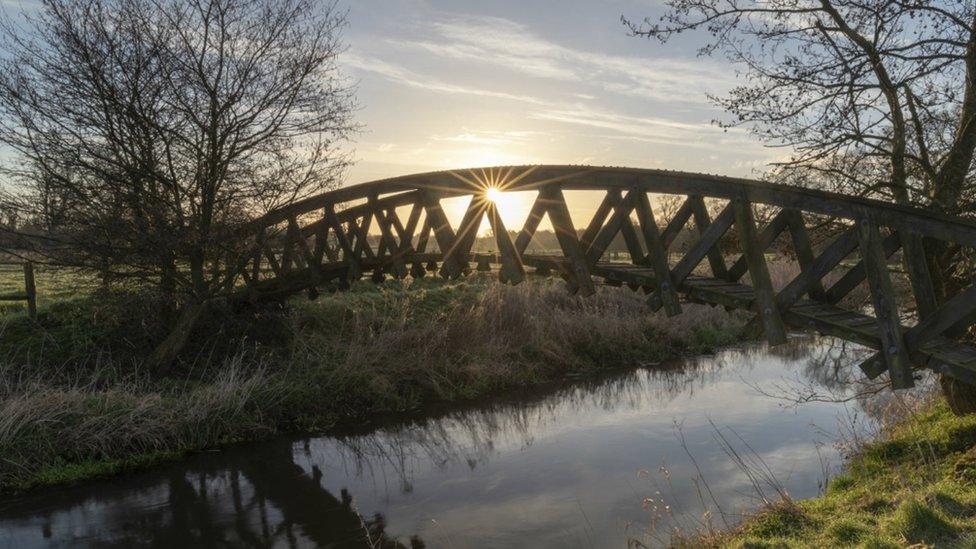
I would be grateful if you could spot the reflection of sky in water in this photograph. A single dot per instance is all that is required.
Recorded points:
(553, 469)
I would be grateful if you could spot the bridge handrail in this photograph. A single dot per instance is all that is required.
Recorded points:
(450, 183)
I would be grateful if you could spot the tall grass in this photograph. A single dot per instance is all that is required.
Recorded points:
(47, 427)
(64, 414)
(463, 339)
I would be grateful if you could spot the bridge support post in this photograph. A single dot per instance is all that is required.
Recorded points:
(562, 223)
(765, 302)
(657, 255)
(512, 270)
(893, 350)
(484, 264)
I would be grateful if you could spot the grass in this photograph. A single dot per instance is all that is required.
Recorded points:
(53, 285)
(915, 486)
(75, 403)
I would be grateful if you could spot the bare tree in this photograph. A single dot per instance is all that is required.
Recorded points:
(872, 97)
(146, 133)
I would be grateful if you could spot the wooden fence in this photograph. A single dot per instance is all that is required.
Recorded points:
(30, 289)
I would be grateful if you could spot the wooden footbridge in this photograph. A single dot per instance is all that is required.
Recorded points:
(340, 235)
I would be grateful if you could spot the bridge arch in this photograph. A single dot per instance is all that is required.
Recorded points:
(326, 239)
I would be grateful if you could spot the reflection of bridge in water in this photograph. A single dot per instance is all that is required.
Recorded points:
(254, 498)
(326, 240)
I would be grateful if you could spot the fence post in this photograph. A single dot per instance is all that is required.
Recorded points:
(30, 289)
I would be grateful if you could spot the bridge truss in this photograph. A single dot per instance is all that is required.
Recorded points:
(339, 236)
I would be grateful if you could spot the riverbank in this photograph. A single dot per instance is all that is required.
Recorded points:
(914, 486)
(76, 403)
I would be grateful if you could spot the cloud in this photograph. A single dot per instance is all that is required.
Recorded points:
(414, 80)
(567, 95)
(491, 137)
(515, 47)
(645, 129)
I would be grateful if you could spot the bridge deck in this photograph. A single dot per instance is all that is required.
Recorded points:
(939, 354)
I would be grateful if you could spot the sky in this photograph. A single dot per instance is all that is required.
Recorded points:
(465, 83)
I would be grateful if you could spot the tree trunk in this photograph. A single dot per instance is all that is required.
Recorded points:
(167, 291)
(162, 358)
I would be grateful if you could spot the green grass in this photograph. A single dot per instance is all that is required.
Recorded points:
(53, 285)
(916, 486)
(65, 473)
(75, 402)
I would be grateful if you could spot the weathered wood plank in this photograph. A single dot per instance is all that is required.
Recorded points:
(260, 242)
(765, 299)
(456, 256)
(388, 242)
(272, 260)
(913, 251)
(363, 249)
(424, 236)
(709, 238)
(30, 290)
(856, 274)
(348, 252)
(632, 241)
(885, 309)
(597, 221)
(571, 247)
(937, 322)
(715, 260)
(286, 253)
(296, 235)
(804, 250)
(657, 256)
(323, 250)
(629, 233)
(677, 223)
(443, 233)
(828, 259)
(512, 270)
(768, 235)
(531, 225)
(621, 212)
(412, 221)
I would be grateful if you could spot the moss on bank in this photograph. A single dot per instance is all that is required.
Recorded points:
(914, 487)
(74, 402)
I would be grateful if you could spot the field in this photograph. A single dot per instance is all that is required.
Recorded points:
(53, 285)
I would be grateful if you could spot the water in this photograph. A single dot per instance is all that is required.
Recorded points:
(590, 463)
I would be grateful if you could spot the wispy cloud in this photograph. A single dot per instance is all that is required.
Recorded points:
(646, 129)
(515, 47)
(409, 78)
(491, 137)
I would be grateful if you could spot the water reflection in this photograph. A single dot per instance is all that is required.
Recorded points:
(592, 462)
(253, 498)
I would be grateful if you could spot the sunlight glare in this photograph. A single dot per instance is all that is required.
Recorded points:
(494, 195)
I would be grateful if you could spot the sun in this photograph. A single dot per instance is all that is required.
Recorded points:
(494, 194)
